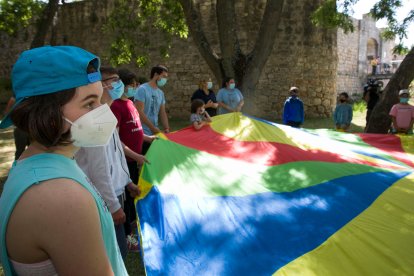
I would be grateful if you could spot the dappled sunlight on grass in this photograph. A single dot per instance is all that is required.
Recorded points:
(7, 150)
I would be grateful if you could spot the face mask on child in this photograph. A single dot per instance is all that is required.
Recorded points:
(94, 128)
(131, 91)
(403, 100)
(161, 82)
(117, 90)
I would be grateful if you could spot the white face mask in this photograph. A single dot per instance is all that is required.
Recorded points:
(94, 128)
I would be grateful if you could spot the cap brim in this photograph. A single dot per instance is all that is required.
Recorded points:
(7, 121)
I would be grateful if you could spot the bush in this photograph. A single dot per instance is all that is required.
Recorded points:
(359, 106)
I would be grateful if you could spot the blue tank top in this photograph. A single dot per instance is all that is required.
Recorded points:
(42, 167)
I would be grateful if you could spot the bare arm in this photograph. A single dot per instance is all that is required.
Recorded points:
(9, 105)
(411, 124)
(239, 107)
(64, 225)
(132, 154)
(164, 119)
(394, 122)
(207, 116)
(223, 105)
(198, 125)
(211, 104)
(144, 119)
(149, 138)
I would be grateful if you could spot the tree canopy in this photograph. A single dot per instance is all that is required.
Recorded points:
(15, 14)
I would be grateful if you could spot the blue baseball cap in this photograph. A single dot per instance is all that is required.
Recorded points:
(50, 69)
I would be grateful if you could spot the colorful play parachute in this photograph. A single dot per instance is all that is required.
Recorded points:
(244, 196)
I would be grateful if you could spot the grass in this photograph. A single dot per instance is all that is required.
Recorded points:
(134, 262)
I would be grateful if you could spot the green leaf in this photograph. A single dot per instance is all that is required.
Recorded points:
(134, 23)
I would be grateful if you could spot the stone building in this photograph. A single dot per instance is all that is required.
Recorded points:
(320, 62)
(356, 50)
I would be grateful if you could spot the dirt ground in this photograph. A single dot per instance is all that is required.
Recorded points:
(6, 154)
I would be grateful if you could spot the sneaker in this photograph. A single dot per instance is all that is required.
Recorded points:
(132, 243)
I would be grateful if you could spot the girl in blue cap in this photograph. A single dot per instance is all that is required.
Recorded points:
(52, 221)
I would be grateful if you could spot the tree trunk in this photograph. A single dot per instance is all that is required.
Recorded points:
(245, 69)
(44, 23)
(380, 121)
(227, 32)
(256, 60)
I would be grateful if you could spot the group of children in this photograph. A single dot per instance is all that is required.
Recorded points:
(402, 113)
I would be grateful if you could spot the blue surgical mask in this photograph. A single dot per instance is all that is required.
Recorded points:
(232, 85)
(161, 82)
(403, 100)
(117, 90)
(131, 91)
(209, 85)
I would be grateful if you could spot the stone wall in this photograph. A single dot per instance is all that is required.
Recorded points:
(349, 78)
(304, 56)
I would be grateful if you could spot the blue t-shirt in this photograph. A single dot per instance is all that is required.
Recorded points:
(152, 98)
(230, 97)
(293, 111)
(343, 114)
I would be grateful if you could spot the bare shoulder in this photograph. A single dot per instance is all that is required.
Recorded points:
(52, 198)
(49, 209)
(61, 190)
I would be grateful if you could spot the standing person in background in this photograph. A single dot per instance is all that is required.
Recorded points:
(207, 95)
(371, 98)
(293, 111)
(106, 166)
(132, 137)
(343, 113)
(52, 220)
(229, 98)
(402, 114)
(379, 65)
(374, 64)
(150, 103)
(21, 139)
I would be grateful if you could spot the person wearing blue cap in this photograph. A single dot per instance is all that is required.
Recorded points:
(52, 220)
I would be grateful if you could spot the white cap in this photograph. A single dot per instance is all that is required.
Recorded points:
(403, 91)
